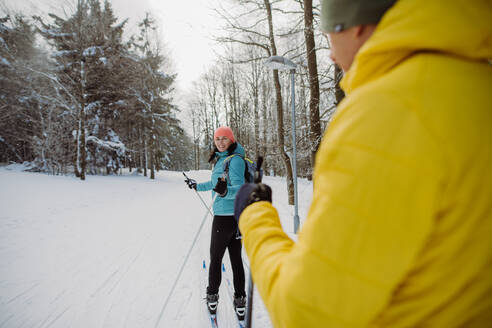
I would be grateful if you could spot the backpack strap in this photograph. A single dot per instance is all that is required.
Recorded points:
(226, 164)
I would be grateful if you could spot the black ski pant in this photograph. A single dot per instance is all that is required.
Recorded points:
(224, 236)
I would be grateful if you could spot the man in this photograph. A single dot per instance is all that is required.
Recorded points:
(399, 229)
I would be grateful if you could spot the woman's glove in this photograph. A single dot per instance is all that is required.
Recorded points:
(191, 183)
(250, 193)
(221, 187)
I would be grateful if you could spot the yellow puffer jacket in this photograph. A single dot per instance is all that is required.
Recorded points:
(399, 233)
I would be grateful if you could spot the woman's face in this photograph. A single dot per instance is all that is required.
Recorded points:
(222, 143)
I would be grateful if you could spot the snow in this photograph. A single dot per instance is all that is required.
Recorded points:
(56, 32)
(5, 61)
(61, 53)
(24, 99)
(3, 43)
(91, 106)
(105, 252)
(4, 29)
(114, 144)
(91, 51)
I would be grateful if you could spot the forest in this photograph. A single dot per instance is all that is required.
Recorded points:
(80, 96)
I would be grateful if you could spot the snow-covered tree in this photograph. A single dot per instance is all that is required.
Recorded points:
(91, 101)
(151, 90)
(88, 48)
(17, 50)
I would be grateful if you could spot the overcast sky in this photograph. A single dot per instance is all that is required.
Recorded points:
(186, 27)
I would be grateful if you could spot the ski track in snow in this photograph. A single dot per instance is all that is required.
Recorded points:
(105, 252)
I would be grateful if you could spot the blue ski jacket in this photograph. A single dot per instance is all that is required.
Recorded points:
(225, 205)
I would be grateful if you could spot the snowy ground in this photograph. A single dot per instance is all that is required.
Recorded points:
(105, 252)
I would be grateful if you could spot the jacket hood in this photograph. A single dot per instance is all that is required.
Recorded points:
(459, 28)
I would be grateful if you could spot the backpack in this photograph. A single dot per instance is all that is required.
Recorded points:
(249, 170)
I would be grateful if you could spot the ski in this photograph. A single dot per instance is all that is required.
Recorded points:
(213, 320)
(241, 322)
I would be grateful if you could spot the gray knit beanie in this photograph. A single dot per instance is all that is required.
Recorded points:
(338, 15)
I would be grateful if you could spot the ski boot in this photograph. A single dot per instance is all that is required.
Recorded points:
(240, 307)
(212, 302)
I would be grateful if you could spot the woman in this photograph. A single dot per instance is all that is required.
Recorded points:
(224, 227)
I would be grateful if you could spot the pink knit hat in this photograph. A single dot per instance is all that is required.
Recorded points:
(224, 131)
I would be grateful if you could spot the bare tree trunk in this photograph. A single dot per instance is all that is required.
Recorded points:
(152, 164)
(305, 166)
(235, 104)
(82, 153)
(280, 110)
(77, 167)
(195, 141)
(129, 157)
(138, 151)
(152, 148)
(208, 136)
(315, 126)
(152, 155)
(143, 149)
(224, 100)
(254, 89)
(265, 128)
(145, 156)
(257, 126)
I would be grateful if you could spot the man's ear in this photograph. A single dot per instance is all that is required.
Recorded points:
(359, 30)
(364, 31)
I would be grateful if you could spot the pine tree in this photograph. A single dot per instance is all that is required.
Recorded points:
(151, 90)
(16, 51)
(88, 51)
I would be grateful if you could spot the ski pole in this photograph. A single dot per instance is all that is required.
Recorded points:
(249, 306)
(185, 260)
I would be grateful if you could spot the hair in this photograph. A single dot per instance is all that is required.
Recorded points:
(230, 150)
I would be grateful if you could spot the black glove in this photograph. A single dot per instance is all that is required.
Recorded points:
(191, 183)
(250, 193)
(221, 187)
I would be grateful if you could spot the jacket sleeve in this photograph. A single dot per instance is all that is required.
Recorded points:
(375, 190)
(204, 186)
(236, 177)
